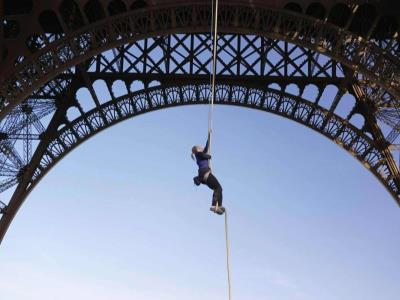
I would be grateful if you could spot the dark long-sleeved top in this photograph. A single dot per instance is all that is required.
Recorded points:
(202, 158)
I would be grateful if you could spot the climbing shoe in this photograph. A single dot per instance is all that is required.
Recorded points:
(220, 210)
(196, 180)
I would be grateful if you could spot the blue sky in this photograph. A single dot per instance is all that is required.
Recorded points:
(119, 218)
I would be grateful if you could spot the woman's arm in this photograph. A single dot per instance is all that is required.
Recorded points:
(207, 144)
(204, 155)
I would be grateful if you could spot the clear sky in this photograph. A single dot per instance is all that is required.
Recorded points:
(119, 218)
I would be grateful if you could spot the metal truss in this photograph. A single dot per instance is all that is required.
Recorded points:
(18, 132)
(356, 53)
(65, 134)
(170, 59)
(2, 208)
(238, 55)
(269, 59)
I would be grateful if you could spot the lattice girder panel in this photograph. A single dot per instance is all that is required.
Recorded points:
(238, 55)
(147, 60)
(20, 133)
(353, 51)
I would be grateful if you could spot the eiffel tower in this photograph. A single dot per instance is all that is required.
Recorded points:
(333, 67)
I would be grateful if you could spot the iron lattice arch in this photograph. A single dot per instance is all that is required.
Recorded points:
(339, 80)
(293, 107)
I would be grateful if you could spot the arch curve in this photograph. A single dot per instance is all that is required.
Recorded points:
(84, 41)
(66, 137)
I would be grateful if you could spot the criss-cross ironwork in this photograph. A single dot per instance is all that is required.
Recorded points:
(90, 70)
(353, 51)
(170, 59)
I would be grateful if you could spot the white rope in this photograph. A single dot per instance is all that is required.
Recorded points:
(228, 268)
(211, 65)
(214, 29)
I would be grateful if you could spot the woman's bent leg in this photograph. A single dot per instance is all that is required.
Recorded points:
(212, 183)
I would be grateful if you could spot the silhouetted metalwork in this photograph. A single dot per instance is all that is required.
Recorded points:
(3, 207)
(83, 66)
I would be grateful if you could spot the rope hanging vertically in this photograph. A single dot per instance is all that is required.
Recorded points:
(212, 62)
(214, 33)
(228, 268)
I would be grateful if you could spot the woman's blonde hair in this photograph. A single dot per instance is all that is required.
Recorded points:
(196, 149)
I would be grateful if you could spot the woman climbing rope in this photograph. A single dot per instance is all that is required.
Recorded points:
(202, 158)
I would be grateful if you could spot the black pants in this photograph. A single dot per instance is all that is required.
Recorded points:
(212, 183)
